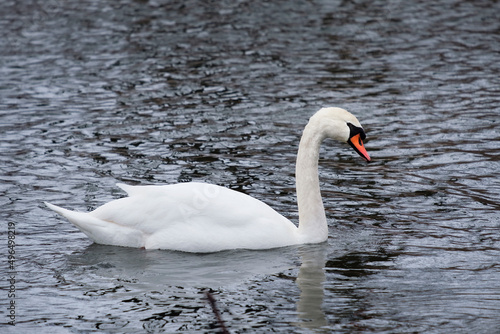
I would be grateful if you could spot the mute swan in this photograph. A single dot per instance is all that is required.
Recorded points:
(201, 217)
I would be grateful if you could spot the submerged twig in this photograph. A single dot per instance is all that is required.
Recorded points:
(211, 300)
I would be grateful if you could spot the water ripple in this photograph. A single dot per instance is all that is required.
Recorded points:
(149, 92)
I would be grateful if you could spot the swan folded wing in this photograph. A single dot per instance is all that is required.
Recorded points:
(198, 217)
(224, 220)
(151, 208)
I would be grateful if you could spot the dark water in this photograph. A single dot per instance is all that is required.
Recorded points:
(98, 92)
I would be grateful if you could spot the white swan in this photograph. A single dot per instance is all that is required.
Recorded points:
(201, 217)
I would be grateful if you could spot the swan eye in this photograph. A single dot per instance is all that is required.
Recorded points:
(355, 130)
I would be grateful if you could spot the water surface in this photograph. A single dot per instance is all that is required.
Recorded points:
(153, 92)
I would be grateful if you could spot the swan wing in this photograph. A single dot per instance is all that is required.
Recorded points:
(194, 217)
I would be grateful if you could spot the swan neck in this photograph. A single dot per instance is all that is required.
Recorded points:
(312, 219)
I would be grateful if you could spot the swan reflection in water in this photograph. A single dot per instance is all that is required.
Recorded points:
(310, 281)
(146, 271)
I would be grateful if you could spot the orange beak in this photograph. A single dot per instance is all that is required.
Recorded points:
(357, 144)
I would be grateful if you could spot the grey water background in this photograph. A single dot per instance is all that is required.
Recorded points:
(157, 92)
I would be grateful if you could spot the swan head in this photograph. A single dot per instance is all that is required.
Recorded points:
(341, 125)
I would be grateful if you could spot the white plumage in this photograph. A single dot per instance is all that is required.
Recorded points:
(201, 217)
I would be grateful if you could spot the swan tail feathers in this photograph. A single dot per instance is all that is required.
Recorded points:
(100, 231)
(62, 211)
(83, 220)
